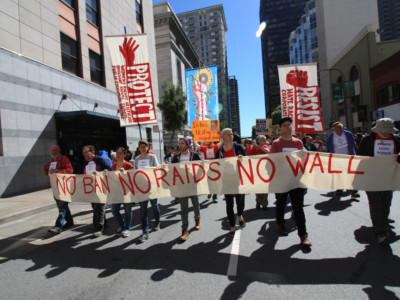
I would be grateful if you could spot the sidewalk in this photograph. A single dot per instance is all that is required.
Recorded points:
(17, 207)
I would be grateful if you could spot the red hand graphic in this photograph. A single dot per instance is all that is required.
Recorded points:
(297, 78)
(128, 49)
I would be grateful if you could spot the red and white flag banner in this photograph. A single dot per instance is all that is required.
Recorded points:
(300, 97)
(131, 69)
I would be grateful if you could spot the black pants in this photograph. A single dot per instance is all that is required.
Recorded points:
(297, 200)
(99, 216)
(229, 207)
(379, 209)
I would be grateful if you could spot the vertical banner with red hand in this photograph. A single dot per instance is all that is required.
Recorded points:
(131, 69)
(300, 97)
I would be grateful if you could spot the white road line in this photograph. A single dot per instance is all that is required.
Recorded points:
(233, 260)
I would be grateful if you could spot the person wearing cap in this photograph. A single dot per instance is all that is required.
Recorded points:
(381, 142)
(248, 145)
(147, 160)
(341, 141)
(261, 147)
(231, 149)
(287, 143)
(186, 154)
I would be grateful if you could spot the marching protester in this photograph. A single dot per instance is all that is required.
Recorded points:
(381, 142)
(59, 164)
(341, 141)
(318, 144)
(231, 149)
(248, 146)
(124, 223)
(92, 165)
(208, 151)
(147, 160)
(309, 145)
(168, 156)
(261, 147)
(287, 143)
(186, 154)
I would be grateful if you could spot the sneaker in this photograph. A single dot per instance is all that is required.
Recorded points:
(381, 238)
(198, 224)
(54, 230)
(185, 235)
(304, 241)
(208, 196)
(282, 230)
(157, 227)
(144, 237)
(98, 233)
(232, 231)
(125, 233)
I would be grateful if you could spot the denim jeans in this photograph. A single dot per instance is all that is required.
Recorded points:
(184, 201)
(143, 213)
(297, 200)
(64, 214)
(229, 207)
(124, 223)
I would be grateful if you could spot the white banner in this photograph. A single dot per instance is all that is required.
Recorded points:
(270, 173)
(300, 97)
(131, 68)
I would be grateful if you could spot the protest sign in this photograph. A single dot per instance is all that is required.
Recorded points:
(300, 97)
(206, 131)
(270, 173)
(131, 69)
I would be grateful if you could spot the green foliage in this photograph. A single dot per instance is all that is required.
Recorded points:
(173, 108)
(276, 115)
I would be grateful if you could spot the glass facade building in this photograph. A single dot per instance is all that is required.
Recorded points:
(389, 19)
(282, 17)
(303, 42)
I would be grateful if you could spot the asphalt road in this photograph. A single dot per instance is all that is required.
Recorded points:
(343, 263)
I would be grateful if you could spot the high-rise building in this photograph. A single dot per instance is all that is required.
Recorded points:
(303, 42)
(281, 17)
(234, 103)
(206, 29)
(175, 55)
(389, 19)
(57, 84)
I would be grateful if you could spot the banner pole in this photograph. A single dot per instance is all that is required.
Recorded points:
(140, 127)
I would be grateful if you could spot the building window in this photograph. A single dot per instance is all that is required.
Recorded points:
(149, 134)
(388, 94)
(96, 70)
(179, 71)
(92, 12)
(70, 3)
(69, 54)
(139, 17)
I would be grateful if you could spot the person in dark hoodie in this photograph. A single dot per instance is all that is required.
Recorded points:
(186, 154)
(92, 165)
(231, 149)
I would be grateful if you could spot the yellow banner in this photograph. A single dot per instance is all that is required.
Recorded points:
(270, 173)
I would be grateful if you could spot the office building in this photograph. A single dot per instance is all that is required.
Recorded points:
(234, 104)
(57, 84)
(206, 29)
(389, 19)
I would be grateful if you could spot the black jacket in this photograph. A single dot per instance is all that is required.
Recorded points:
(177, 157)
(101, 163)
(367, 144)
(237, 149)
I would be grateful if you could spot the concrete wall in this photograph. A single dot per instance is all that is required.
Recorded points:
(338, 23)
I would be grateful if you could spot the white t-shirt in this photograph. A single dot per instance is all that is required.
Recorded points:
(185, 157)
(340, 144)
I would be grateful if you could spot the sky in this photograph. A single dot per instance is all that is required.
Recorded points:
(244, 53)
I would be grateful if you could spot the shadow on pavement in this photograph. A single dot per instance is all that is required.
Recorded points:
(334, 204)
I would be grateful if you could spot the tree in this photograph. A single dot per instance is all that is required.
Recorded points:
(173, 108)
(276, 115)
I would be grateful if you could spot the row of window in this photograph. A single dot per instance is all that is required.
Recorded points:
(388, 94)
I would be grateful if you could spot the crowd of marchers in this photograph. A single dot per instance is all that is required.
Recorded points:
(383, 140)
